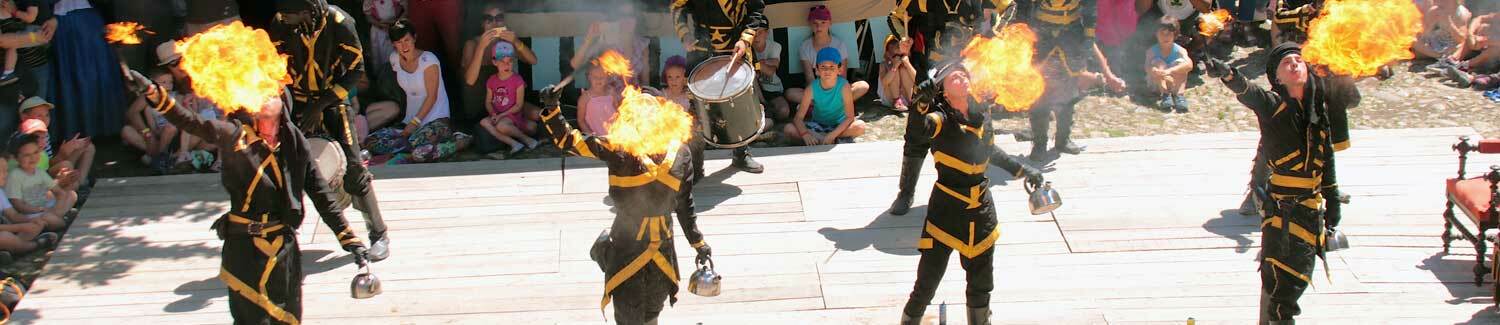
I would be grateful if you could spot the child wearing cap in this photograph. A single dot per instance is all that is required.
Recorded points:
(821, 21)
(827, 113)
(31, 191)
(505, 91)
(76, 156)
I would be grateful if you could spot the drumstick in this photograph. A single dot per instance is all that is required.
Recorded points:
(733, 65)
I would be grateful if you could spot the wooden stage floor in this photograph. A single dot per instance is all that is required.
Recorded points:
(1148, 234)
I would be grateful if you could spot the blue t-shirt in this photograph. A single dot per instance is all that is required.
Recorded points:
(1170, 59)
(828, 104)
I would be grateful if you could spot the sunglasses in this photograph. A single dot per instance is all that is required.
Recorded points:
(494, 18)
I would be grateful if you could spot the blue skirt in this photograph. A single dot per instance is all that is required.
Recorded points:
(89, 92)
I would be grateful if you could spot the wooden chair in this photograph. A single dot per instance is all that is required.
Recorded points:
(1478, 198)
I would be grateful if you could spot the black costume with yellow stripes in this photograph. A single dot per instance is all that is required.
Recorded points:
(960, 213)
(325, 61)
(1292, 18)
(1065, 48)
(261, 259)
(945, 27)
(1297, 140)
(638, 259)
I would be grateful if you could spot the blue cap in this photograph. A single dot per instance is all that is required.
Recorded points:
(829, 54)
(504, 49)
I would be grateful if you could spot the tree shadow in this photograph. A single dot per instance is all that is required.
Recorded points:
(887, 233)
(1235, 226)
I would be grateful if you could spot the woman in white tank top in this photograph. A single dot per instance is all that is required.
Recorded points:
(425, 132)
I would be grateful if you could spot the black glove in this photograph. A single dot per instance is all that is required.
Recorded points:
(356, 247)
(1216, 68)
(704, 253)
(361, 255)
(551, 97)
(1033, 176)
(927, 92)
(138, 83)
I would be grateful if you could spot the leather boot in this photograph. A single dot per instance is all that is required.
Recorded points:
(979, 315)
(1249, 207)
(380, 245)
(743, 161)
(910, 320)
(1265, 308)
(911, 169)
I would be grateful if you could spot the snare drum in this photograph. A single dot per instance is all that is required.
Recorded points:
(329, 159)
(729, 109)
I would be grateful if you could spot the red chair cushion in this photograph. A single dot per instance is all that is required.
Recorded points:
(1489, 146)
(1473, 196)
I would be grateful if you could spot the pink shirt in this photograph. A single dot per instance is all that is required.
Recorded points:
(504, 93)
(601, 109)
(1117, 20)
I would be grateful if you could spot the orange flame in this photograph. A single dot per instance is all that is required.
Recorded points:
(1210, 24)
(124, 32)
(1357, 37)
(643, 125)
(234, 66)
(1001, 67)
(615, 64)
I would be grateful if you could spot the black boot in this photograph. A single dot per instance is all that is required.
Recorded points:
(910, 320)
(743, 161)
(1040, 123)
(1065, 145)
(380, 245)
(911, 169)
(1249, 207)
(979, 315)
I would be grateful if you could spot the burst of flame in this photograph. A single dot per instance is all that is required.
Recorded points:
(1001, 67)
(615, 64)
(1210, 24)
(643, 125)
(124, 32)
(1357, 37)
(234, 66)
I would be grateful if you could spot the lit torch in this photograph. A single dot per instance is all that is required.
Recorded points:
(1001, 67)
(643, 125)
(1357, 37)
(234, 66)
(124, 32)
(1210, 24)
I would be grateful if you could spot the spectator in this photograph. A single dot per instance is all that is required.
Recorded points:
(1246, 26)
(426, 133)
(381, 14)
(1186, 13)
(11, 14)
(897, 76)
(31, 191)
(76, 154)
(598, 103)
(831, 102)
(1480, 64)
(1167, 67)
(477, 68)
(90, 104)
(775, 96)
(151, 135)
(674, 74)
(33, 62)
(1116, 24)
(821, 21)
(1444, 32)
(205, 14)
(508, 121)
(20, 233)
(383, 95)
(618, 32)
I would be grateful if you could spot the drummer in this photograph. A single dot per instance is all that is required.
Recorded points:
(719, 27)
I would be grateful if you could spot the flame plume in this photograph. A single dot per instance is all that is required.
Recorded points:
(234, 66)
(1357, 37)
(615, 64)
(1001, 67)
(643, 125)
(124, 32)
(1210, 24)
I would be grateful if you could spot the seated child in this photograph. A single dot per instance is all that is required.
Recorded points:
(1443, 31)
(774, 95)
(898, 78)
(508, 119)
(76, 154)
(827, 114)
(598, 103)
(31, 191)
(1167, 67)
(20, 234)
(149, 131)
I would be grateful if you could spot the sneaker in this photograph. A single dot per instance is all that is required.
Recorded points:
(1462, 78)
(1165, 103)
(9, 78)
(843, 140)
(495, 156)
(1180, 104)
(46, 240)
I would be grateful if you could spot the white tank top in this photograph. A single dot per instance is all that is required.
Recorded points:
(416, 87)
